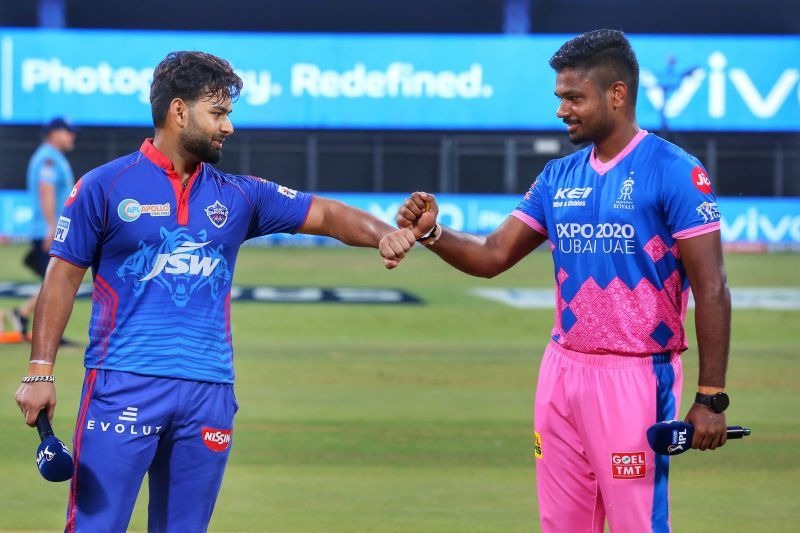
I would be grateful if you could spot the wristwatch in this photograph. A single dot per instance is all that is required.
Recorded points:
(717, 402)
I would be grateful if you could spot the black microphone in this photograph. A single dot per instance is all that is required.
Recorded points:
(52, 458)
(675, 436)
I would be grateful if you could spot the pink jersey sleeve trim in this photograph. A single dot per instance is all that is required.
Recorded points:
(698, 230)
(530, 221)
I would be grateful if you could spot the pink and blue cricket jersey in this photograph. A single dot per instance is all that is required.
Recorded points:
(613, 365)
(158, 395)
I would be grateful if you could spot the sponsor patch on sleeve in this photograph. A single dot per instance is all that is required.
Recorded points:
(48, 170)
(286, 191)
(74, 193)
(701, 180)
(62, 229)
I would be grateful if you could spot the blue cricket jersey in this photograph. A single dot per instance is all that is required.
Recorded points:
(47, 165)
(612, 227)
(162, 258)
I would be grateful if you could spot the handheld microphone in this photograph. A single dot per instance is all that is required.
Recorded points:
(52, 458)
(675, 436)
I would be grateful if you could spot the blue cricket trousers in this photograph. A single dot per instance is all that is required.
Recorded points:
(177, 431)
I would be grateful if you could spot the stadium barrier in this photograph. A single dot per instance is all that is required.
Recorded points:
(747, 224)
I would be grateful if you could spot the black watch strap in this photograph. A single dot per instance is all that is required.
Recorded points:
(717, 402)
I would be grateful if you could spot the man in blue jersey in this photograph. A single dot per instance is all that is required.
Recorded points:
(161, 229)
(50, 181)
(632, 223)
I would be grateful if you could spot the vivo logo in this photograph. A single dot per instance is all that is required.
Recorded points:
(753, 226)
(717, 75)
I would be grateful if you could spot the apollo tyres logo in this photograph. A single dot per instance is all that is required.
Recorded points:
(181, 264)
(130, 210)
(216, 440)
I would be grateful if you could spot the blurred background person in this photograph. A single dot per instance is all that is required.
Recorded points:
(50, 181)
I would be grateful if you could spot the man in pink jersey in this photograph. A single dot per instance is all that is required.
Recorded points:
(632, 223)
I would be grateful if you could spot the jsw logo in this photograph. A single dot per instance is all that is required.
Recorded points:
(573, 193)
(183, 261)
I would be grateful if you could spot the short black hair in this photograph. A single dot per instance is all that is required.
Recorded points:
(190, 76)
(608, 50)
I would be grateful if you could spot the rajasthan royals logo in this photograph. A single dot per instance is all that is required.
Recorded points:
(217, 214)
(626, 190)
(181, 264)
(624, 201)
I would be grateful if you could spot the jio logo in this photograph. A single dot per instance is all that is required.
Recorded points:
(129, 210)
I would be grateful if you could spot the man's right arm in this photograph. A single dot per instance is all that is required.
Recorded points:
(47, 201)
(52, 314)
(473, 254)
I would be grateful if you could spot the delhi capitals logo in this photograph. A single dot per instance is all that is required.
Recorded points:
(217, 214)
(181, 265)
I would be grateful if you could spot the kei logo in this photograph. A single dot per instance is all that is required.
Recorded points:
(217, 214)
(216, 440)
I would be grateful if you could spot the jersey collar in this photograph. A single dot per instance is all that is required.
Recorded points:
(601, 168)
(160, 160)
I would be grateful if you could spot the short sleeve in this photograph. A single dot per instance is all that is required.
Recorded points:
(690, 206)
(530, 209)
(46, 171)
(277, 209)
(80, 227)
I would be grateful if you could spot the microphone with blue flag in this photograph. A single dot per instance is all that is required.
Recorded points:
(675, 436)
(52, 458)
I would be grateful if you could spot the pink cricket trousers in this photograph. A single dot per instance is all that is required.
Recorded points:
(592, 458)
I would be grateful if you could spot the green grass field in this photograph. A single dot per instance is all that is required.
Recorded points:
(364, 418)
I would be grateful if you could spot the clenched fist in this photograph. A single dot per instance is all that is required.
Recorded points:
(395, 245)
(418, 213)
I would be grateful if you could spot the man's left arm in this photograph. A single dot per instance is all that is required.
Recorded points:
(702, 258)
(356, 227)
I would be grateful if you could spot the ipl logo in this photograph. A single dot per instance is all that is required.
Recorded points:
(709, 211)
(181, 264)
